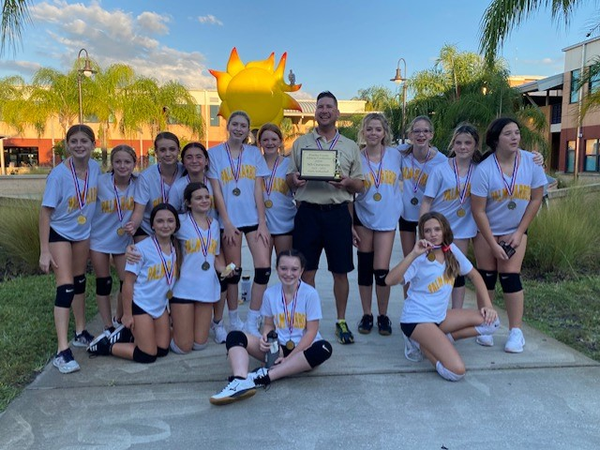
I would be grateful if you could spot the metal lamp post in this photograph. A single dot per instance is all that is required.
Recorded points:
(86, 71)
(399, 79)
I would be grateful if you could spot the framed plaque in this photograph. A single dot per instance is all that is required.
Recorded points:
(317, 164)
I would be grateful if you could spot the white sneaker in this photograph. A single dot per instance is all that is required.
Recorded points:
(219, 331)
(487, 340)
(236, 325)
(515, 342)
(234, 391)
(412, 349)
(65, 362)
(251, 327)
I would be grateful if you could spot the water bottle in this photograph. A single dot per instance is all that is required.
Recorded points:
(246, 289)
(273, 352)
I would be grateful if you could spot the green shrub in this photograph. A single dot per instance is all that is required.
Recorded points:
(564, 239)
(19, 240)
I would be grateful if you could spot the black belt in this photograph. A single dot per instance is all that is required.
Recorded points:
(319, 207)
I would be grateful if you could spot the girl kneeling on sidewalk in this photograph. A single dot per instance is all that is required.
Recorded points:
(427, 324)
(292, 309)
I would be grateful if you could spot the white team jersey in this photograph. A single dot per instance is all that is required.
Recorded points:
(105, 238)
(381, 215)
(176, 195)
(240, 208)
(430, 289)
(61, 195)
(308, 307)
(487, 182)
(148, 192)
(412, 172)
(441, 187)
(150, 287)
(194, 283)
(280, 216)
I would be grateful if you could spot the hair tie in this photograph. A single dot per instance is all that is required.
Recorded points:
(445, 248)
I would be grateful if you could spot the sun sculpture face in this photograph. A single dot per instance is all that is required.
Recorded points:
(255, 87)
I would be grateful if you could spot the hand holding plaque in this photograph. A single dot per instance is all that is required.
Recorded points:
(320, 164)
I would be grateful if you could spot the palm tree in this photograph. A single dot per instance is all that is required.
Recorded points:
(12, 101)
(502, 16)
(14, 14)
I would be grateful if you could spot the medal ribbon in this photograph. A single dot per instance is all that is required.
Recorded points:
(513, 180)
(81, 196)
(235, 169)
(271, 179)
(289, 320)
(462, 194)
(163, 190)
(169, 272)
(376, 176)
(412, 162)
(332, 145)
(204, 245)
(117, 200)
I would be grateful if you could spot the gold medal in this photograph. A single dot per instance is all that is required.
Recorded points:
(81, 220)
(414, 201)
(236, 192)
(431, 256)
(512, 205)
(461, 212)
(169, 294)
(205, 265)
(290, 345)
(120, 231)
(377, 196)
(268, 203)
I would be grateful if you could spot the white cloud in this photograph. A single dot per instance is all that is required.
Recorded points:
(209, 19)
(22, 67)
(117, 36)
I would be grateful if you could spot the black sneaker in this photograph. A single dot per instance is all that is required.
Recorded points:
(121, 334)
(342, 333)
(366, 324)
(100, 347)
(83, 339)
(384, 324)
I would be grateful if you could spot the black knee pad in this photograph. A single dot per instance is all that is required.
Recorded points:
(120, 285)
(103, 285)
(224, 283)
(79, 281)
(236, 277)
(142, 357)
(318, 353)
(64, 296)
(511, 282)
(380, 275)
(365, 268)
(161, 352)
(236, 338)
(460, 281)
(262, 275)
(489, 278)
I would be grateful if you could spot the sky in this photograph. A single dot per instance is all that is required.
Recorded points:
(341, 46)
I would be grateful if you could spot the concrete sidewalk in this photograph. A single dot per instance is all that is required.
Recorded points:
(366, 396)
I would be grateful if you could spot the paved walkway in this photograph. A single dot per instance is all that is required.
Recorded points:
(366, 396)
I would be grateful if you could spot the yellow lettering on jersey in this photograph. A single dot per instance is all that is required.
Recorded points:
(299, 321)
(439, 283)
(521, 192)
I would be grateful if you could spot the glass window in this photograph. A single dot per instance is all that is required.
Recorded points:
(214, 118)
(591, 155)
(594, 83)
(570, 156)
(575, 77)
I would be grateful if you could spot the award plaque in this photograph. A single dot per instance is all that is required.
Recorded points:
(317, 164)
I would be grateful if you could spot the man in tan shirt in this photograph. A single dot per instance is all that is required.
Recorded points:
(323, 220)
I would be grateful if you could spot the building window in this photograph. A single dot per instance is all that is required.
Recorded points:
(591, 155)
(570, 157)
(575, 77)
(594, 83)
(214, 118)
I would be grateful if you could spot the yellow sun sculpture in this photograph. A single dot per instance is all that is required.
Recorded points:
(255, 88)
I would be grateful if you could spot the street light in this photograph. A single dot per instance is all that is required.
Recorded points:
(399, 79)
(87, 71)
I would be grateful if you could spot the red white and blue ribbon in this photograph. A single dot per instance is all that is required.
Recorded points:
(289, 319)
(117, 200)
(510, 188)
(81, 196)
(462, 193)
(333, 142)
(168, 269)
(235, 168)
(204, 244)
(270, 181)
(376, 175)
(412, 162)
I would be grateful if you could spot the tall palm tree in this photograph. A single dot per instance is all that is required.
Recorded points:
(502, 16)
(15, 13)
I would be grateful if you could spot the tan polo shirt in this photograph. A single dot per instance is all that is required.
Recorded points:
(321, 192)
